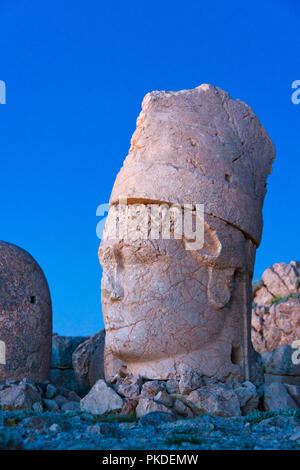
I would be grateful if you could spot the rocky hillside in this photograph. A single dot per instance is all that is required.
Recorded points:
(276, 307)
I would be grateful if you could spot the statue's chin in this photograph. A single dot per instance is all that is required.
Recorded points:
(118, 342)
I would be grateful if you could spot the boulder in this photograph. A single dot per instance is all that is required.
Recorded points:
(88, 360)
(164, 398)
(19, 396)
(280, 361)
(101, 399)
(190, 380)
(50, 405)
(276, 324)
(216, 399)
(263, 296)
(276, 397)
(182, 409)
(283, 379)
(71, 406)
(62, 350)
(128, 386)
(172, 386)
(66, 378)
(247, 396)
(282, 279)
(60, 400)
(152, 387)
(50, 391)
(128, 391)
(62, 373)
(129, 407)
(147, 405)
(294, 391)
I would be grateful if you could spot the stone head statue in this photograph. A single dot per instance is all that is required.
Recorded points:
(171, 304)
(25, 317)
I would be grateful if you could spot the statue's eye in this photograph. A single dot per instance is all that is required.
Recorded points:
(106, 256)
(143, 254)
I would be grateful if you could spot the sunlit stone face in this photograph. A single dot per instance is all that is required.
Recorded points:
(166, 308)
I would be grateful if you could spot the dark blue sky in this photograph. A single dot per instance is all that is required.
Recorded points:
(76, 73)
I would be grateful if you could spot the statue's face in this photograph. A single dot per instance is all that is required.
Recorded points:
(161, 300)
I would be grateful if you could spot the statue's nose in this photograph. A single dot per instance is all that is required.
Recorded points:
(116, 294)
(112, 287)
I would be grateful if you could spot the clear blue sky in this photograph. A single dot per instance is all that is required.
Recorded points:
(76, 73)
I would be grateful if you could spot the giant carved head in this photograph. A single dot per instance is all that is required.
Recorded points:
(170, 301)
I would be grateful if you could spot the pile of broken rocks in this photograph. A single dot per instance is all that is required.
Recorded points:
(132, 413)
(42, 397)
(188, 397)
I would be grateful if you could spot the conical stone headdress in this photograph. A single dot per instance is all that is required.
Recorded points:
(199, 147)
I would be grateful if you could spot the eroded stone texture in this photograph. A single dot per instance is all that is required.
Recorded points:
(216, 399)
(101, 399)
(278, 281)
(88, 360)
(276, 307)
(25, 316)
(168, 308)
(276, 397)
(275, 325)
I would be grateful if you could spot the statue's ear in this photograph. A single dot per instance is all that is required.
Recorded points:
(220, 282)
(212, 246)
(209, 248)
(220, 285)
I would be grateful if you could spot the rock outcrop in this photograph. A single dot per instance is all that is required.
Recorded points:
(282, 365)
(88, 361)
(277, 397)
(276, 307)
(62, 371)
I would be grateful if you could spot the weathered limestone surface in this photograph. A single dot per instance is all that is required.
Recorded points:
(217, 400)
(282, 361)
(25, 317)
(63, 348)
(101, 399)
(277, 397)
(19, 396)
(168, 308)
(62, 372)
(276, 307)
(88, 360)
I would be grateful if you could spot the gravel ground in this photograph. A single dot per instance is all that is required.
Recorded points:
(156, 431)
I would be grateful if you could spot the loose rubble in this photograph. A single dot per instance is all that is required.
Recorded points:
(83, 411)
(130, 412)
